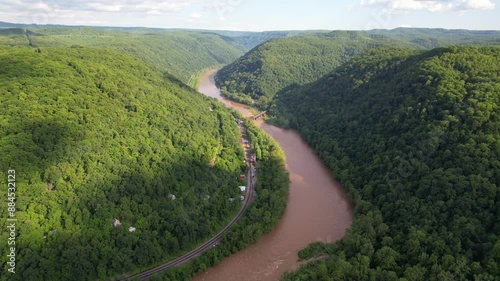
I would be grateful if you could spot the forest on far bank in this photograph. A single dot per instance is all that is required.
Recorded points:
(414, 136)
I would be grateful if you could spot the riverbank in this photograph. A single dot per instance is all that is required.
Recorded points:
(318, 208)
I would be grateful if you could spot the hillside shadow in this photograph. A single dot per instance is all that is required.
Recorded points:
(88, 247)
(287, 89)
(33, 145)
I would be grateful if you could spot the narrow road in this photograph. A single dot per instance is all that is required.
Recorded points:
(251, 183)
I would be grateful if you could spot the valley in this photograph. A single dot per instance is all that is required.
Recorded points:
(137, 155)
(318, 209)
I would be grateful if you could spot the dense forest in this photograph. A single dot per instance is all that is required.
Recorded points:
(260, 218)
(96, 135)
(114, 153)
(181, 53)
(281, 64)
(284, 63)
(415, 139)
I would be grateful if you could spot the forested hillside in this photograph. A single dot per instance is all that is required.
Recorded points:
(96, 135)
(281, 64)
(13, 37)
(415, 139)
(183, 54)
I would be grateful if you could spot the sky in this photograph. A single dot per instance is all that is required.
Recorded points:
(258, 15)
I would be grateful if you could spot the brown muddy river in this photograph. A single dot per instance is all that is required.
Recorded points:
(318, 210)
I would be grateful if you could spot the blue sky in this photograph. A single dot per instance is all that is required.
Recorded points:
(257, 15)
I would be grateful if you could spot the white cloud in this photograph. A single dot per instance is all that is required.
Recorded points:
(154, 13)
(195, 15)
(41, 6)
(480, 5)
(222, 7)
(163, 6)
(429, 5)
(109, 12)
(104, 7)
(101, 5)
(92, 11)
(196, 18)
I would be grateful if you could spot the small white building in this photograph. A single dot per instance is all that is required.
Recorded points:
(116, 222)
(131, 229)
(172, 196)
(242, 197)
(243, 188)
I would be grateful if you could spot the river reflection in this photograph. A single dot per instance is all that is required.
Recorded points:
(318, 209)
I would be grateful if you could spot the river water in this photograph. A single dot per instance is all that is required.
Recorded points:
(318, 209)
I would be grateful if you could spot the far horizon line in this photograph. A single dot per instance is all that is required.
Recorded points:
(230, 30)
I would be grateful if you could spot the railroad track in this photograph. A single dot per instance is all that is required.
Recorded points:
(145, 275)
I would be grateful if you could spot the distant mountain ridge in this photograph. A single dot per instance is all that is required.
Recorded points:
(282, 63)
(183, 54)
